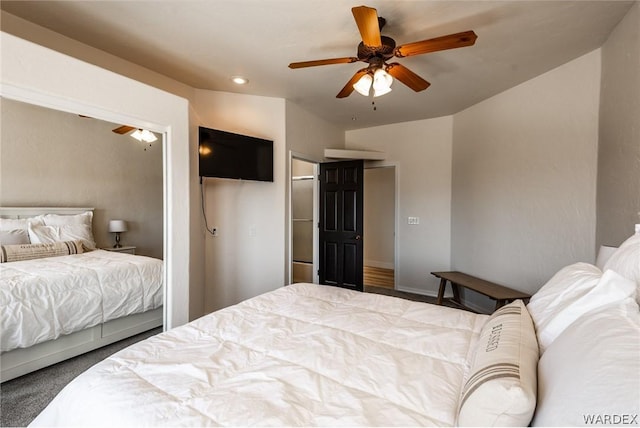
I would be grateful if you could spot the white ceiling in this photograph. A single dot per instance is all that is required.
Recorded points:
(204, 43)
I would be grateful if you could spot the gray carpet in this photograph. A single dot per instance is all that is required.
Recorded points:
(23, 398)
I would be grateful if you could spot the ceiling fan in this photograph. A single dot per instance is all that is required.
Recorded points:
(139, 133)
(376, 50)
(142, 135)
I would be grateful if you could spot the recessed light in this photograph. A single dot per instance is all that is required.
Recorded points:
(239, 80)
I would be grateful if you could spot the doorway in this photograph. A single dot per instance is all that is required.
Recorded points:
(303, 219)
(380, 226)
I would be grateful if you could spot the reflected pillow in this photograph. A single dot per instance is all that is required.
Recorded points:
(20, 223)
(16, 253)
(63, 220)
(14, 237)
(69, 232)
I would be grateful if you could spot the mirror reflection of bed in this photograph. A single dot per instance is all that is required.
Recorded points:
(58, 159)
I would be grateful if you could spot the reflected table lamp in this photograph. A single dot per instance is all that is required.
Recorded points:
(117, 227)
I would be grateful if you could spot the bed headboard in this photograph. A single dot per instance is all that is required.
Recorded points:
(22, 212)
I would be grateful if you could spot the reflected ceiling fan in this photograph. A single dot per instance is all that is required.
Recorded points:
(376, 50)
(142, 135)
(139, 133)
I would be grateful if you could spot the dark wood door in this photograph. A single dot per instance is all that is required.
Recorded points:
(341, 228)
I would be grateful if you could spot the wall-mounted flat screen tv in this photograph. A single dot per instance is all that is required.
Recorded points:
(228, 155)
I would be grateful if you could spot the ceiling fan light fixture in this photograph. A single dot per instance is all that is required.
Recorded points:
(381, 82)
(363, 86)
(144, 135)
(380, 92)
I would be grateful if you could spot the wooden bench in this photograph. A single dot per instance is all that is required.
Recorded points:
(501, 294)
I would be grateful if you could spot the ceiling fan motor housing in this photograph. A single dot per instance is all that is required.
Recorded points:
(384, 52)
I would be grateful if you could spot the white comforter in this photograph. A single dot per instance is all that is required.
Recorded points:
(301, 355)
(43, 299)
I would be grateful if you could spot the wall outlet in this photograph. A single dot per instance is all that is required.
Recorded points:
(637, 228)
(413, 220)
(214, 231)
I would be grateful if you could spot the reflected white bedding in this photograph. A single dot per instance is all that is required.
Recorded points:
(43, 299)
(301, 355)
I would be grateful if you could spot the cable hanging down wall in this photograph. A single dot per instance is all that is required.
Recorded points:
(212, 231)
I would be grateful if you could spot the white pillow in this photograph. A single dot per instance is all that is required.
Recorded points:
(610, 289)
(626, 260)
(63, 220)
(592, 370)
(19, 223)
(70, 232)
(501, 387)
(568, 284)
(14, 237)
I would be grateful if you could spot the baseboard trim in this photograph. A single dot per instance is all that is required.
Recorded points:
(419, 291)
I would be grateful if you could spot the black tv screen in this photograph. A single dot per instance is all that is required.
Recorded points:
(228, 155)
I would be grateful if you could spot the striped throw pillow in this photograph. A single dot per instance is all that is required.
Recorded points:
(501, 387)
(15, 253)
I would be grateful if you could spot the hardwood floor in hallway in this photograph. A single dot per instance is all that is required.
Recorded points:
(379, 277)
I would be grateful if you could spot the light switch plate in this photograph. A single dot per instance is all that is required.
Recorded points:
(413, 220)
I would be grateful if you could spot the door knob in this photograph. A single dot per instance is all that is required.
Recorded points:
(358, 237)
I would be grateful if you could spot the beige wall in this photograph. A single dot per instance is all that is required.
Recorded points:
(52, 158)
(309, 135)
(619, 137)
(421, 152)
(524, 178)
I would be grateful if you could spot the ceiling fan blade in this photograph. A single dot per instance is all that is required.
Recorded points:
(303, 64)
(367, 22)
(452, 41)
(123, 129)
(348, 88)
(407, 77)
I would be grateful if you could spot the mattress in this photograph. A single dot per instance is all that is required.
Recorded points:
(303, 354)
(43, 299)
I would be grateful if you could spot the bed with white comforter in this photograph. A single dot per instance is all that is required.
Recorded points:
(43, 299)
(60, 296)
(301, 355)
